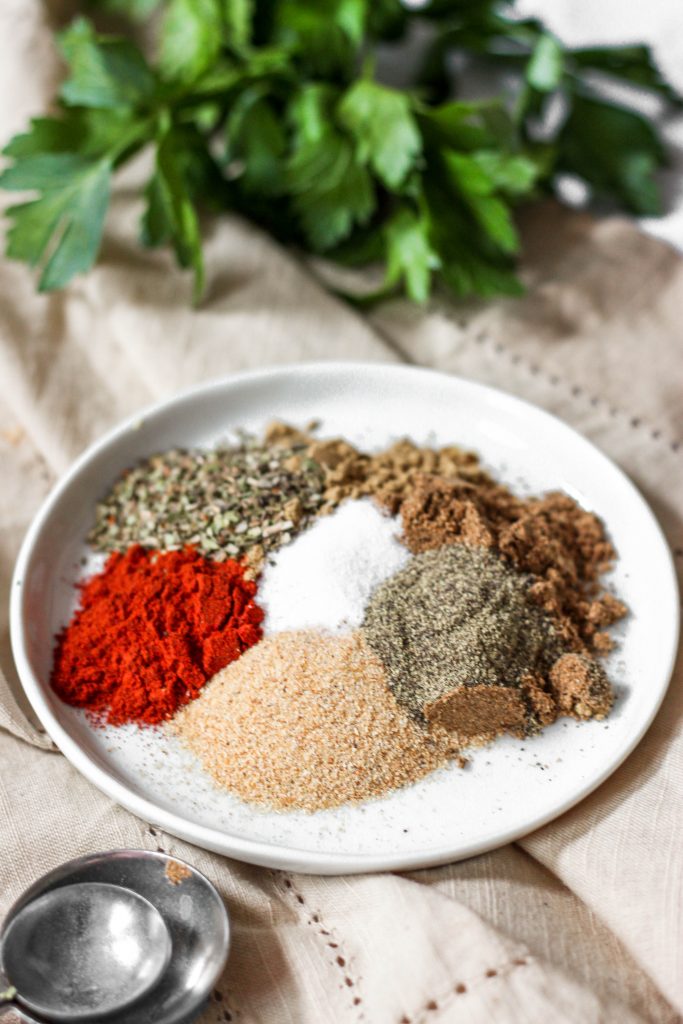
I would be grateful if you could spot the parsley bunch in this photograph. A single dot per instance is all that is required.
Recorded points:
(273, 109)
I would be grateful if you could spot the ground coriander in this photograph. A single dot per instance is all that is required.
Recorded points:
(387, 475)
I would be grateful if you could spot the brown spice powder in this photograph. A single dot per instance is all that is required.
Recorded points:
(305, 720)
(581, 687)
(387, 475)
(176, 872)
(476, 714)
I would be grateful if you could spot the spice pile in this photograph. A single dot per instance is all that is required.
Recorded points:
(226, 502)
(306, 721)
(411, 606)
(150, 630)
(462, 643)
(325, 580)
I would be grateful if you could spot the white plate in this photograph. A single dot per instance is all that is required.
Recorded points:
(511, 787)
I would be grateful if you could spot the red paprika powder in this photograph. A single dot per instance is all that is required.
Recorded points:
(151, 629)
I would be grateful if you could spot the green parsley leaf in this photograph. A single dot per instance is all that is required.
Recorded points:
(156, 226)
(615, 150)
(324, 35)
(410, 256)
(138, 10)
(496, 219)
(171, 214)
(476, 185)
(61, 230)
(310, 112)
(331, 191)
(456, 124)
(472, 262)
(386, 132)
(387, 19)
(469, 274)
(467, 174)
(545, 68)
(468, 126)
(106, 72)
(46, 135)
(347, 15)
(89, 132)
(238, 16)
(510, 173)
(366, 245)
(257, 138)
(191, 36)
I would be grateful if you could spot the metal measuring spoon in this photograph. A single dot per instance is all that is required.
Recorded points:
(83, 951)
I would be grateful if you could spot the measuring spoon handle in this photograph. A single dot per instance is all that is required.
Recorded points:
(7, 996)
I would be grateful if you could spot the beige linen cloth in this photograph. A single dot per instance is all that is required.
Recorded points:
(579, 922)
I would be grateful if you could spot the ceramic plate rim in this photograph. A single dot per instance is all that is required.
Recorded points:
(290, 857)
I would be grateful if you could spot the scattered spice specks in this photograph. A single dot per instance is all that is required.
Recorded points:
(176, 872)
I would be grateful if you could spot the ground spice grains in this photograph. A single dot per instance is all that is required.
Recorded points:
(306, 721)
(388, 475)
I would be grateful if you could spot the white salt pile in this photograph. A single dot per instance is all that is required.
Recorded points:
(323, 580)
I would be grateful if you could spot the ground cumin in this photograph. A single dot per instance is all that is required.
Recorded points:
(580, 686)
(477, 714)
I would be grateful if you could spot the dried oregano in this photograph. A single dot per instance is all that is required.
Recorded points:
(227, 501)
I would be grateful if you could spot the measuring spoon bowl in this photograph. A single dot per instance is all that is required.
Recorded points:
(84, 951)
